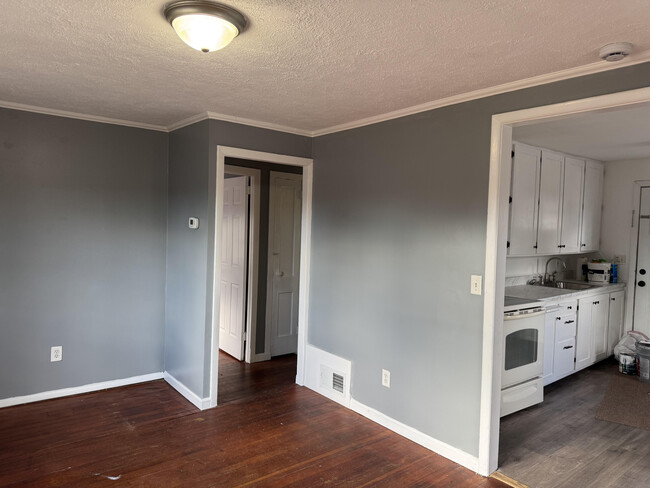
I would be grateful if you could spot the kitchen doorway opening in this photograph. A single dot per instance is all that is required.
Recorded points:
(262, 240)
(496, 242)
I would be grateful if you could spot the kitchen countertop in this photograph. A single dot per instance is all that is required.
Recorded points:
(544, 293)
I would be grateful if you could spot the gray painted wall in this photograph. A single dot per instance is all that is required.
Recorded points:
(186, 255)
(399, 225)
(190, 263)
(82, 251)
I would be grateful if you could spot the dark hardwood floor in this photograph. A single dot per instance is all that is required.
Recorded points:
(268, 432)
(560, 443)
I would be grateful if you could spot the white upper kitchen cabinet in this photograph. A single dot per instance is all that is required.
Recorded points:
(550, 202)
(572, 198)
(524, 194)
(592, 209)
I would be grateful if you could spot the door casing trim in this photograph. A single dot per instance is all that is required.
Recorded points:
(305, 254)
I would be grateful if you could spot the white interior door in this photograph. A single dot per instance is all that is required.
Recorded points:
(285, 210)
(233, 266)
(642, 278)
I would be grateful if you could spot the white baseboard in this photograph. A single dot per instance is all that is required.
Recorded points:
(76, 390)
(190, 396)
(452, 453)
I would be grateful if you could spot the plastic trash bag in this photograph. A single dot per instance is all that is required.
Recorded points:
(628, 342)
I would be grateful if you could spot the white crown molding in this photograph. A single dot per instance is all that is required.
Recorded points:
(237, 120)
(261, 125)
(566, 74)
(188, 121)
(80, 116)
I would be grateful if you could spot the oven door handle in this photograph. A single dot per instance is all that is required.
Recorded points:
(524, 315)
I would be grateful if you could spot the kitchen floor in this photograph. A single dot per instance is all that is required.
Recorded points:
(560, 443)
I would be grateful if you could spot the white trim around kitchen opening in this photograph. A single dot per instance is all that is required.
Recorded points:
(495, 254)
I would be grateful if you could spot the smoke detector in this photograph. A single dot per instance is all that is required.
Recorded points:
(615, 51)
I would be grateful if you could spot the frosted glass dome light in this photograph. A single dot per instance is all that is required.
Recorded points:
(205, 26)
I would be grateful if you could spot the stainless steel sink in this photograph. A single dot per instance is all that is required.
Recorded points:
(568, 285)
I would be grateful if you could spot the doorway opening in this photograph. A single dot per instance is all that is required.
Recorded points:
(260, 273)
(259, 308)
(496, 245)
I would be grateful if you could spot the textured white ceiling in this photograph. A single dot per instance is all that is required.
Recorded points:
(305, 64)
(606, 136)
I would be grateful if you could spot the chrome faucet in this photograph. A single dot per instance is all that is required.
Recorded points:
(552, 277)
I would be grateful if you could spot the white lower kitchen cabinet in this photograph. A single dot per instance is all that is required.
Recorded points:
(616, 310)
(559, 341)
(564, 360)
(592, 333)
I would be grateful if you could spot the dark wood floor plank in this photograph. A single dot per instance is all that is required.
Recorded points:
(266, 432)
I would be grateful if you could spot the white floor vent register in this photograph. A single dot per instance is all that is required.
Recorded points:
(331, 379)
(328, 374)
(337, 382)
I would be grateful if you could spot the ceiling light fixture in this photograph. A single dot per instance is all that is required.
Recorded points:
(205, 26)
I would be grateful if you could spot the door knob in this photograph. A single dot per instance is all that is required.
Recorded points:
(279, 273)
(641, 284)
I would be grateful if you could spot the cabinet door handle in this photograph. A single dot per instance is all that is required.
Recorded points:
(561, 245)
(641, 283)
(569, 321)
(613, 299)
(596, 303)
(569, 307)
(567, 347)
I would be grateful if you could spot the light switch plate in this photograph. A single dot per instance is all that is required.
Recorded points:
(193, 223)
(476, 287)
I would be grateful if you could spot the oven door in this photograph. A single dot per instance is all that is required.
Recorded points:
(523, 348)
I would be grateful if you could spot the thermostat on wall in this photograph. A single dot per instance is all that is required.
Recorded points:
(194, 223)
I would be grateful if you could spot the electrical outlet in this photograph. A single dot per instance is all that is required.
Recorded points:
(56, 353)
(476, 285)
(385, 378)
(620, 259)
